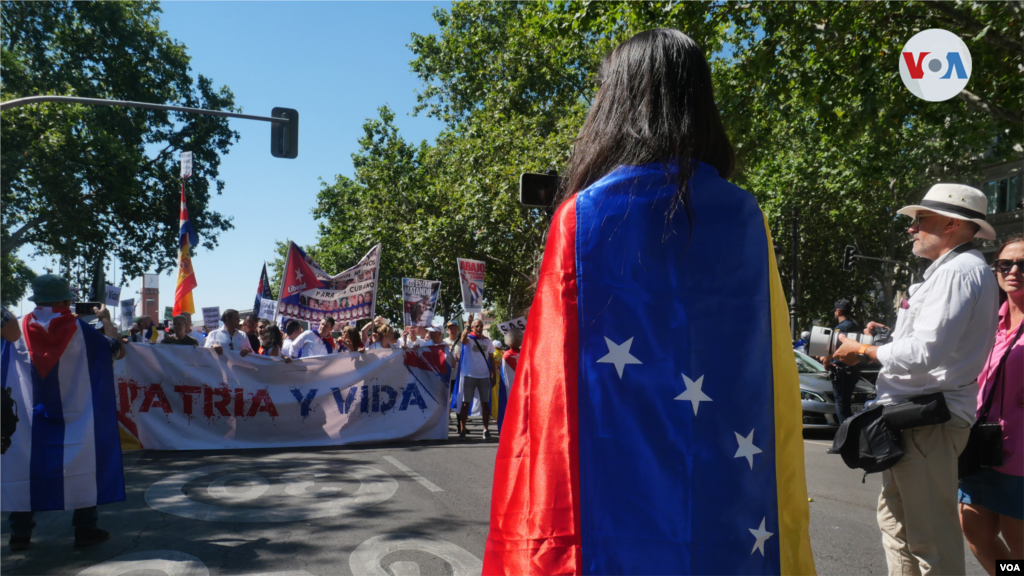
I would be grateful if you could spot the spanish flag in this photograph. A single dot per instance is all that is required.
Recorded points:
(186, 276)
(654, 426)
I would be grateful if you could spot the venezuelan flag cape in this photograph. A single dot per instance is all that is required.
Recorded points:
(655, 424)
(66, 451)
(509, 361)
(186, 275)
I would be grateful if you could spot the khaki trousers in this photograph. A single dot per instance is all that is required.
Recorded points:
(917, 509)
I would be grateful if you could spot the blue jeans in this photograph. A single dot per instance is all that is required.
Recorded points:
(22, 524)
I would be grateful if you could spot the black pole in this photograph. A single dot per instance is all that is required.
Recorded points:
(793, 300)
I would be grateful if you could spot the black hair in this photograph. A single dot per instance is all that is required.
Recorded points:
(329, 320)
(292, 326)
(272, 337)
(655, 104)
(228, 312)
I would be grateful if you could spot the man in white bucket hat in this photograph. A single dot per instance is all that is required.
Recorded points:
(944, 331)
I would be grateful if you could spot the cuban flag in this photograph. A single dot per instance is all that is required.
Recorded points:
(509, 360)
(186, 275)
(430, 367)
(654, 426)
(458, 395)
(66, 452)
(262, 291)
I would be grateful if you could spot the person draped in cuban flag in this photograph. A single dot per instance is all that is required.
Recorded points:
(634, 442)
(473, 376)
(509, 362)
(66, 452)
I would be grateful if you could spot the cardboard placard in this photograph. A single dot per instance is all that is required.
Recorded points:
(127, 313)
(471, 275)
(518, 324)
(268, 308)
(186, 164)
(112, 296)
(211, 318)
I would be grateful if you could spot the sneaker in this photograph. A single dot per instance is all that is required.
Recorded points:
(90, 536)
(487, 434)
(462, 434)
(19, 543)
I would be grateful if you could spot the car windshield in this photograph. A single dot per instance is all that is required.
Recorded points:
(807, 365)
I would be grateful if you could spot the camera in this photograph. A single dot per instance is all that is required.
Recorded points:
(882, 336)
(825, 341)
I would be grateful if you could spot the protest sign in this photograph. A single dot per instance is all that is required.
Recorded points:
(211, 318)
(471, 275)
(112, 296)
(186, 164)
(518, 324)
(185, 398)
(308, 293)
(419, 298)
(127, 313)
(168, 312)
(267, 309)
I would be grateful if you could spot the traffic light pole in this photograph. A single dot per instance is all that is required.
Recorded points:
(129, 104)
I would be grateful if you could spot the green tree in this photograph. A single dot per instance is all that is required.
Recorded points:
(97, 181)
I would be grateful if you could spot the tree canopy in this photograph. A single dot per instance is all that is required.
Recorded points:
(86, 182)
(810, 94)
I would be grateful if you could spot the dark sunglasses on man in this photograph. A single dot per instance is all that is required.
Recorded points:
(1004, 266)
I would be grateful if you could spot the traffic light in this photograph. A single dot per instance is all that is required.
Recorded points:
(848, 256)
(284, 138)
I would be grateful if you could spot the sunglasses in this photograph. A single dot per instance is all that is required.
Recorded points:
(1004, 266)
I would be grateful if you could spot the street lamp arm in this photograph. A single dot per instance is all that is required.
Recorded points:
(127, 103)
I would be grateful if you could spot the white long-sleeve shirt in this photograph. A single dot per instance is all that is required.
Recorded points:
(943, 335)
(305, 345)
(220, 336)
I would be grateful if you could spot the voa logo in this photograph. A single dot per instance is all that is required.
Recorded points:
(935, 65)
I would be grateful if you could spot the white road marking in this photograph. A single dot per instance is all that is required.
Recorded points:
(415, 476)
(375, 486)
(169, 562)
(366, 558)
(829, 444)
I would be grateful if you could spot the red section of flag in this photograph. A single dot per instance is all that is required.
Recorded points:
(47, 345)
(535, 504)
(427, 358)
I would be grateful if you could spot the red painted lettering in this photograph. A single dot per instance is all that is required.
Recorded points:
(239, 402)
(155, 398)
(186, 396)
(261, 402)
(221, 405)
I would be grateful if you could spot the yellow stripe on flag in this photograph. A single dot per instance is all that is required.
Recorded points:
(791, 482)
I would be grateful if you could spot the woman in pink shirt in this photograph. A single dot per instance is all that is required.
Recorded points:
(992, 500)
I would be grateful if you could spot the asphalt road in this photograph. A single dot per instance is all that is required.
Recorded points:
(417, 508)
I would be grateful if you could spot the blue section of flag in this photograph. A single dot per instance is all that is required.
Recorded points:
(109, 468)
(186, 231)
(661, 488)
(46, 465)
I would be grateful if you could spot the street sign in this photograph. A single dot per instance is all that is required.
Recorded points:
(848, 256)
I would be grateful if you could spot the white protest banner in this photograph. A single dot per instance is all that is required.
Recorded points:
(518, 324)
(113, 296)
(471, 275)
(308, 293)
(419, 298)
(186, 164)
(268, 308)
(211, 318)
(185, 398)
(127, 313)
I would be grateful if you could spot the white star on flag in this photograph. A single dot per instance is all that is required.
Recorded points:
(747, 448)
(762, 535)
(618, 354)
(298, 275)
(694, 393)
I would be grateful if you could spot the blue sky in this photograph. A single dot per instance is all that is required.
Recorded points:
(334, 62)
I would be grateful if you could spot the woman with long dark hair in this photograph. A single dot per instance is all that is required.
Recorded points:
(992, 499)
(634, 442)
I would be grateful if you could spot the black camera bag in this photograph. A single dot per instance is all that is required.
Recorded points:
(867, 442)
(8, 419)
(924, 410)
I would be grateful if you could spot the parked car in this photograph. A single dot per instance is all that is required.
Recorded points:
(819, 403)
